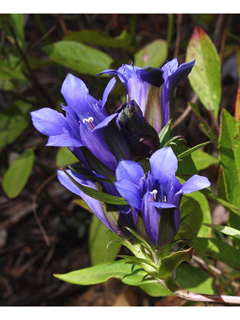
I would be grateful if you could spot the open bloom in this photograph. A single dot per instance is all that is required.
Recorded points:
(155, 196)
(144, 85)
(76, 130)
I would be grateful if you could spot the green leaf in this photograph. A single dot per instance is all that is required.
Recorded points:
(99, 37)
(188, 277)
(164, 133)
(205, 77)
(18, 173)
(216, 249)
(18, 26)
(196, 209)
(147, 55)
(171, 262)
(99, 238)
(65, 157)
(203, 160)
(203, 125)
(128, 273)
(96, 194)
(210, 195)
(194, 279)
(186, 167)
(13, 121)
(226, 153)
(7, 72)
(78, 56)
(236, 147)
(190, 150)
(224, 229)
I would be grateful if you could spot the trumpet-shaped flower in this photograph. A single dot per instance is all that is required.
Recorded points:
(76, 130)
(153, 88)
(155, 196)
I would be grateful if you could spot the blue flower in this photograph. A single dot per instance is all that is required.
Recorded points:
(115, 219)
(153, 88)
(155, 196)
(76, 130)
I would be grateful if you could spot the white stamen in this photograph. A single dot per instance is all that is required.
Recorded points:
(154, 193)
(164, 199)
(89, 120)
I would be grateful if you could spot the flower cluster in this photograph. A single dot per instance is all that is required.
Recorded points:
(111, 149)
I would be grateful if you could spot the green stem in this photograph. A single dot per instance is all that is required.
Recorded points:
(170, 29)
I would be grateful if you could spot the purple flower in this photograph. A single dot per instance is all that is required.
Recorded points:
(143, 86)
(76, 129)
(155, 196)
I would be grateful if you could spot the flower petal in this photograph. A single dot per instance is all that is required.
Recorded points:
(93, 204)
(130, 192)
(195, 183)
(163, 164)
(48, 121)
(151, 75)
(129, 170)
(163, 205)
(63, 140)
(77, 96)
(108, 89)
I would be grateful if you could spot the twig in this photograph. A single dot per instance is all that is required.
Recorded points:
(185, 113)
(192, 296)
(37, 85)
(34, 207)
(178, 38)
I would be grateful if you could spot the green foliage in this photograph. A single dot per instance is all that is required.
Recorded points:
(105, 250)
(13, 121)
(78, 57)
(205, 77)
(18, 173)
(147, 55)
(99, 37)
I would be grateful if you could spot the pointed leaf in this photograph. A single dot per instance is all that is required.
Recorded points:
(171, 262)
(190, 150)
(98, 195)
(224, 229)
(227, 152)
(205, 77)
(128, 273)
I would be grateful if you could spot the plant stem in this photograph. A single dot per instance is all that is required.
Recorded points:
(192, 296)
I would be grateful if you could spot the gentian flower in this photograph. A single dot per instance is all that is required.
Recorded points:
(98, 149)
(116, 219)
(144, 85)
(155, 196)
